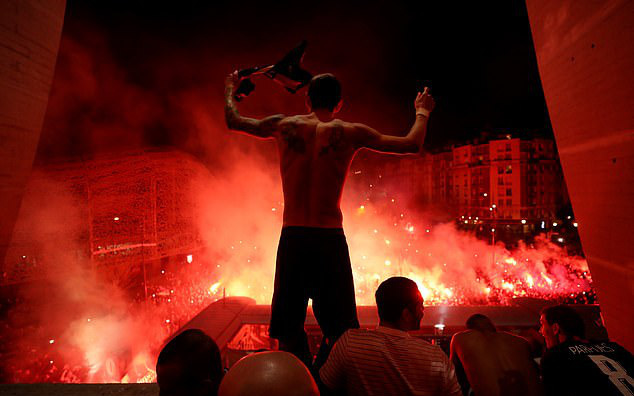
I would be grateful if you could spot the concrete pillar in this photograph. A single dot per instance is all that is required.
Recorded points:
(586, 63)
(30, 32)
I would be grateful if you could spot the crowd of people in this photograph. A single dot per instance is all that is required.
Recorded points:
(388, 360)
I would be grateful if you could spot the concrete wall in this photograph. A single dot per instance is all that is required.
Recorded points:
(30, 32)
(586, 63)
(79, 389)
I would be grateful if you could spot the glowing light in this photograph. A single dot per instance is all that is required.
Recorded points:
(273, 209)
(387, 242)
(493, 206)
(439, 326)
(523, 221)
(23, 257)
(492, 229)
(388, 262)
(485, 195)
(543, 224)
(547, 279)
(213, 289)
(410, 228)
(167, 321)
(555, 224)
(51, 341)
(560, 240)
(116, 218)
(466, 221)
(575, 224)
(190, 258)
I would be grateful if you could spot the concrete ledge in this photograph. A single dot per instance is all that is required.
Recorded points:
(79, 389)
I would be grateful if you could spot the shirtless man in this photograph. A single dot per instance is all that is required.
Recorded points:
(312, 258)
(495, 363)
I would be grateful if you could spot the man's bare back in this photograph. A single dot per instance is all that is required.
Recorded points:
(495, 363)
(314, 159)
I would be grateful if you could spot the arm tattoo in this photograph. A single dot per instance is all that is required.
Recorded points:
(336, 141)
(231, 112)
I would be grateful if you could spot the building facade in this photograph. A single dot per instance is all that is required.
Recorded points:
(506, 180)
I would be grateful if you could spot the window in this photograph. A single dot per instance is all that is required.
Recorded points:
(509, 191)
(509, 169)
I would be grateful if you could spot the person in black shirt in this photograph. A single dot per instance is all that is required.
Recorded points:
(574, 366)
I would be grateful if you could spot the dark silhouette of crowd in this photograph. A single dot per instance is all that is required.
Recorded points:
(388, 360)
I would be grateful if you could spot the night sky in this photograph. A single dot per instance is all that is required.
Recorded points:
(135, 73)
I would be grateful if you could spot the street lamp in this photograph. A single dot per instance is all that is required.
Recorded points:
(493, 211)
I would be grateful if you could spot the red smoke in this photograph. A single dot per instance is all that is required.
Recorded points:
(83, 327)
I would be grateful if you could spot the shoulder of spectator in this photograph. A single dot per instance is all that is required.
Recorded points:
(460, 335)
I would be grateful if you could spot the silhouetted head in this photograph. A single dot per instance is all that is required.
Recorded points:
(480, 322)
(268, 374)
(324, 93)
(400, 303)
(560, 323)
(189, 365)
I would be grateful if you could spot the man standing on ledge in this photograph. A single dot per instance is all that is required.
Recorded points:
(312, 257)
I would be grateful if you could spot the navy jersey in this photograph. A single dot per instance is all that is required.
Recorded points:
(580, 368)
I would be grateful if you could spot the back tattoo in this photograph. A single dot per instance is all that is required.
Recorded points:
(293, 140)
(336, 141)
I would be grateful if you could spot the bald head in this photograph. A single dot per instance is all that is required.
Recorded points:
(480, 322)
(268, 374)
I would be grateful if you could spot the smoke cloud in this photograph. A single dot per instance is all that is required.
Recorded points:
(79, 325)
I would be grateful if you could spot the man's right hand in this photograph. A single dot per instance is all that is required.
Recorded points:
(424, 102)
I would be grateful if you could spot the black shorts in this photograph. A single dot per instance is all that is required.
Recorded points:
(313, 263)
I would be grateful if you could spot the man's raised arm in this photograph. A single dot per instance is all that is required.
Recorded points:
(264, 128)
(412, 143)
